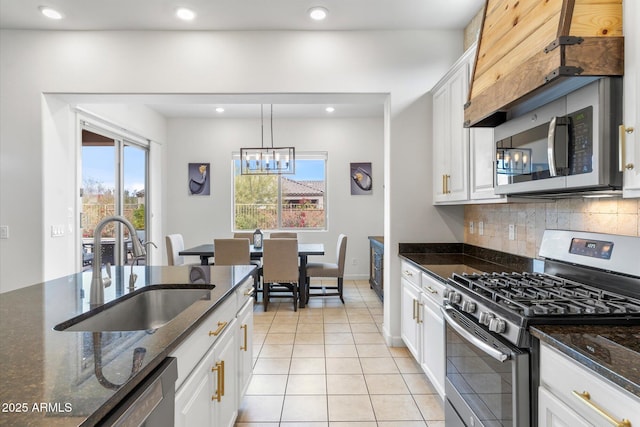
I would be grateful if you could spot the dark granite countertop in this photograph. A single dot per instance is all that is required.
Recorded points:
(611, 351)
(443, 259)
(39, 365)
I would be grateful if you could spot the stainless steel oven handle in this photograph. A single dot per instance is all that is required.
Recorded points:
(551, 147)
(493, 352)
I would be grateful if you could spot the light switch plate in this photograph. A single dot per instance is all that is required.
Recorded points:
(512, 232)
(471, 230)
(481, 228)
(4, 231)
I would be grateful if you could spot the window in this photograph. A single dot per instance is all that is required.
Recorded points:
(282, 202)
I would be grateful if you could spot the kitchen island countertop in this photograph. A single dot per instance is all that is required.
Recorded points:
(48, 377)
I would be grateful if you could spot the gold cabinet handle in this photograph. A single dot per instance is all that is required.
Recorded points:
(408, 273)
(430, 289)
(219, 370)
(221, 326)
(444, 184)
(249, 292)
(414, 309)
(622, 137)
(446, 181)
(244, 347)
(222, 377)
(585, 398)
(418, 320)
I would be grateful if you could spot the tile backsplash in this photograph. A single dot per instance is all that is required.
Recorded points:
(529, 220)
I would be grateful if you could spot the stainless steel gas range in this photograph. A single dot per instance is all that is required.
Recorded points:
(492, 359)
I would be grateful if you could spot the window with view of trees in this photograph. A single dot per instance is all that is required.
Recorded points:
(277, 202)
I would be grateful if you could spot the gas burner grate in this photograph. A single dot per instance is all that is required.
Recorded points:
(538, 294)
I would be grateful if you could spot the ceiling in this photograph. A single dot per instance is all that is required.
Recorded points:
(243, 15)
(240, 14)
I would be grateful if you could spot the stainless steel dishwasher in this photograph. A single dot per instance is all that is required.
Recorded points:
(152, 403)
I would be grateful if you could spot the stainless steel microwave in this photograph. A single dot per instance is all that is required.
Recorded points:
(567, 145)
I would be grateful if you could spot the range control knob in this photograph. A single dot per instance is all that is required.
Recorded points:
(447, 293)
(469, 306)
(497, 325)
(455, 297)
(485, 317)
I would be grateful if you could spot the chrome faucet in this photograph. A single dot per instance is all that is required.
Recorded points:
(97, 283)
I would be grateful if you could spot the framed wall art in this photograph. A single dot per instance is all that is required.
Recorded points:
(361, 180)
(199, 179)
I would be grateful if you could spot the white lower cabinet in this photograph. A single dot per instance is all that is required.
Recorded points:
(422, 324)
(208, 396)
(410, 322)
(572, 395)
(215, 364)
(552, 412)
(433, 343)
(244, 329)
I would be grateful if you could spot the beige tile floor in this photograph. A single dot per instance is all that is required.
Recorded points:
(327, 365)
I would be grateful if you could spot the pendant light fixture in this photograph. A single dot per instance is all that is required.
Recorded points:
(267, 160)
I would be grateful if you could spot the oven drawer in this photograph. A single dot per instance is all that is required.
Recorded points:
(410, 273)
(563, 376)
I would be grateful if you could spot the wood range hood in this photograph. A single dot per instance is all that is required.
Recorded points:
(533, 51)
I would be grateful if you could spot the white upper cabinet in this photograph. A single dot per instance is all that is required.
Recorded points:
(463, 158)
(631, 158)
(450, 137)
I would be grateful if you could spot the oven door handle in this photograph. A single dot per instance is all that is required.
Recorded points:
(491, 351)
(551, 145)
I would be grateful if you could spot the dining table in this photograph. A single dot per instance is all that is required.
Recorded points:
(207, 250)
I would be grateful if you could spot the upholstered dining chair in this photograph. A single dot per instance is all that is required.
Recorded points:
(174, 243)
(283, 235)
(256, 262)
(280, 272)
(235, 252)
(232, 251)
(244, 235)
(325, 269)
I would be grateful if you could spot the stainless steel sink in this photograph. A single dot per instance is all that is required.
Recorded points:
(148, 309)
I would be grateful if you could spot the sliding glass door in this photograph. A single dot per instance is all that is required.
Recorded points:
(114, 181)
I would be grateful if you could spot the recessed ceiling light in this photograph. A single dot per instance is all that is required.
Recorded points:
(219, 110)
(318, 13)
(50, 13)
(185, 14)
(329, 109)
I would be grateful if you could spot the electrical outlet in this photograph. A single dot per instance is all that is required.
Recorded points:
(4, 231)
(512, 232)
(57, 230)
(481, 228)
(471, 231)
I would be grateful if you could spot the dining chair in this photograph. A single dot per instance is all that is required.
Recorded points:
(244, 235)
(232, 251)
(235, 252)
(280, 272)
(283, 235)
(174, 243)
(256, 262)
(325, 269)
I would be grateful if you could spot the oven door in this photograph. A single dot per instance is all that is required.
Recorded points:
(487, 380)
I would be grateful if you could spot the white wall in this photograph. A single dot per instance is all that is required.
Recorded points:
(405, 64)
(201, 218)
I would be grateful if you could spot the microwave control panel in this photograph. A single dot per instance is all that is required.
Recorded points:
(581, 141)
